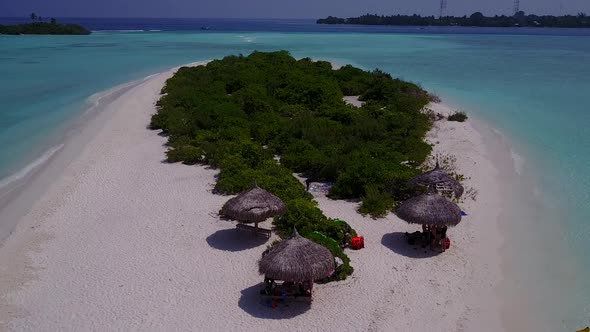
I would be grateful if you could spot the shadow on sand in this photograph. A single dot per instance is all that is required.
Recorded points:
(397, 243)
(252, 303)
(234, 240)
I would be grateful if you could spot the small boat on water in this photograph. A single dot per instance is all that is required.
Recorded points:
(205, 28)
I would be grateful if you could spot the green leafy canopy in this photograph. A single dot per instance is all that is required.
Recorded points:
(243, 113)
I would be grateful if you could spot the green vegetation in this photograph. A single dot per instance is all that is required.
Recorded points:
(240, 113)
(38, 27)
(457, 116)
(477, 19)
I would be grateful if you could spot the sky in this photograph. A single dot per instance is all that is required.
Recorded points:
(277, 8)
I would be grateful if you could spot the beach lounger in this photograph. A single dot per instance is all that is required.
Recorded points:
(255, 230)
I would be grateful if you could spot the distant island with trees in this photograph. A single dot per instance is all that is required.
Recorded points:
(519, 19)
(40, 27)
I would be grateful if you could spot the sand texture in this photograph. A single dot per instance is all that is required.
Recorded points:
(124, 241)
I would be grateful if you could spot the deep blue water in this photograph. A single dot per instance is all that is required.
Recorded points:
(531, 84)
(279, 25)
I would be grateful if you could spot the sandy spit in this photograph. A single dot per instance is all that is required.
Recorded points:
(123, 241)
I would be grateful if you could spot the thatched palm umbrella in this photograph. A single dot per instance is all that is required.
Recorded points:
(297, 259)
(253, 206)
(438, 178)
(430, 209)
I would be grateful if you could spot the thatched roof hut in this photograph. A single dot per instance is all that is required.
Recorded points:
(430, 209)
(297, 259)
(253, 206)
(439, 180)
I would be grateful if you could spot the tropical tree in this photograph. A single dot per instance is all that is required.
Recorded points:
(33, 16)
(520, 14)
(53, 21)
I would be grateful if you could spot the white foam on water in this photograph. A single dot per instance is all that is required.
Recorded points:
(93, 102)
(518, 161)
(496, 131)
(150, 76)
(22, 173)
(95, 99)
(129, 30)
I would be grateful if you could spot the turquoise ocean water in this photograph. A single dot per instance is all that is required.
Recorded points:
(532, 88)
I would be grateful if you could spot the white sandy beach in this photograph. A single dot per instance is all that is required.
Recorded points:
(122, 241)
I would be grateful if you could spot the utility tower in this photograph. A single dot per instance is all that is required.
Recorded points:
(443, 9)
(516, 6)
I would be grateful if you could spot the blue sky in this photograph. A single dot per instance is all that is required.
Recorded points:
(276, 8)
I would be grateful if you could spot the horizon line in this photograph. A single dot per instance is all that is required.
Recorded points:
(276, 18)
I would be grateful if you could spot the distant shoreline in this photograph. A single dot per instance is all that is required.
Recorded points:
(44, 28)
(519, 19)
(153, 25)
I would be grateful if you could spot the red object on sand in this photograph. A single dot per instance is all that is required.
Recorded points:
(357, 243)
(446, 243)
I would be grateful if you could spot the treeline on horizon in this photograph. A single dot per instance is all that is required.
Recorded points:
(39, 27)
(243, 114)
(477, 19)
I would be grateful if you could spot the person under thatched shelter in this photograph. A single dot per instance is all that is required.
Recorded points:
(438, 180)
(253, 206)
(434, 212)
(298, 262)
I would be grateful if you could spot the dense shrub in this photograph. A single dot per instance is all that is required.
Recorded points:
(310, 222)
(240, 112)
(43, 28)
(519, 19)
(376, 201)
(343, 270)
(187, 154)
(457, 116)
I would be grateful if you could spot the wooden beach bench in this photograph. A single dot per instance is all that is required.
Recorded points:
(262, 231)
